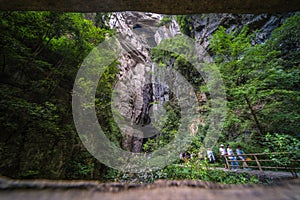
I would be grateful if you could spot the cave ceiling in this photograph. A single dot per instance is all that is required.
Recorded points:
(157, 6)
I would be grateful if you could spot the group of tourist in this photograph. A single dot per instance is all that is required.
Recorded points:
(224, 152)
(231, 156)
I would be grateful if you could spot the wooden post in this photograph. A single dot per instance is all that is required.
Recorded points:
(229, 167)
(257, 162)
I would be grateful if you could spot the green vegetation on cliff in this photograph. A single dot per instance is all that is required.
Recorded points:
(39, 57)
(262, 80)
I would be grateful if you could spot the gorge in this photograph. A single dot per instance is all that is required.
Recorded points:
(42, 52)
(144, 31)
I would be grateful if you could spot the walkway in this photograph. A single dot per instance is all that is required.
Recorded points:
(262, 175)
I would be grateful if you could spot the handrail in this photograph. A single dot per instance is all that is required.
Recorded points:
(258, 154)
(259, 161)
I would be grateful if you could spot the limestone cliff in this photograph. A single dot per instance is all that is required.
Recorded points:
(205, 25)
(136, 90)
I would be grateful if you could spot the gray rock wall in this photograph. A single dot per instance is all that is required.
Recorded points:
(204, 25)
(136, 88)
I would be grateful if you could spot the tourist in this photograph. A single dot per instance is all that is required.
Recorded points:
(240, 153)
(186, 157)
(231, 157)
(181, 158)
(222, 152)
(210, 155)
(200, 156)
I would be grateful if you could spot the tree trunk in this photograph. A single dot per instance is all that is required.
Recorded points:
(261, 131)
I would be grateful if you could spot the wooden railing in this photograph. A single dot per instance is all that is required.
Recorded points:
(255, 158)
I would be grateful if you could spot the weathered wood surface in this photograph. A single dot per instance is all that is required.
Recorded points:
(158, 6)
(162, 190)
(16, 184)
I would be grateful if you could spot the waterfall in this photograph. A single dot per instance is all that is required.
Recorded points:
(142, 92)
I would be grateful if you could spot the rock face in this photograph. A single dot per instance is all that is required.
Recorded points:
(136, 88)
(206, 24)
(158, 6)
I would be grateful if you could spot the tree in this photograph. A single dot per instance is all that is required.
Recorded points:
(40, 55)
(262, 91)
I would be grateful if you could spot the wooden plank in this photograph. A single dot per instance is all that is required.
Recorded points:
(227, 163)
(258, 164)
(265, 160)
(252, 166)
(259, 154)
(267, 167)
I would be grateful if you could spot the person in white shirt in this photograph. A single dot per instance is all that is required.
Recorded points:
(222, 151)
(234, 164)
(210, 155)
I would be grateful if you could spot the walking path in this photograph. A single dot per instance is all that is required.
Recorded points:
(262, 175)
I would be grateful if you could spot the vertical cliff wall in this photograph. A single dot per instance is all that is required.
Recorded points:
(135, 87)
(144, 31)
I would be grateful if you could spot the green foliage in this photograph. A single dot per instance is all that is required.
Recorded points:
(169, 124)
(103, 104)
(165, 21)
(283, 149)
(230, 46)
(146, 177)
(286, 39)
(200, 170)
(179, 62)
(185, 24)
(40, 55)
(195, 170)
(102, 20)
(262, 85)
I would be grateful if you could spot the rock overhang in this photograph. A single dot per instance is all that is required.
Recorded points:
(156, 6)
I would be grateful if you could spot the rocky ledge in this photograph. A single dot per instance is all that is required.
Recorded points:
(158, 6)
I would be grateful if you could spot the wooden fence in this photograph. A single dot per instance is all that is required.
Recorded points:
(263, 161)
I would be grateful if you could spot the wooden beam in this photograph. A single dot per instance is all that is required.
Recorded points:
(258, 164)
(157, 6)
